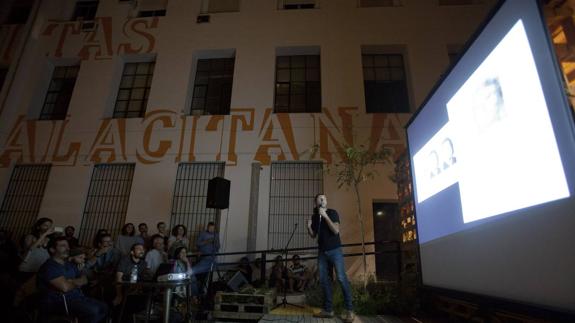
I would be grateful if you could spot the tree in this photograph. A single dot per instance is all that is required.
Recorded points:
(355, 168)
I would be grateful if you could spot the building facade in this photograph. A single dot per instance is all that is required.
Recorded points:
(120, 111)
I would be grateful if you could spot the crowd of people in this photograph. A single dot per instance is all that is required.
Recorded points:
(50, 267)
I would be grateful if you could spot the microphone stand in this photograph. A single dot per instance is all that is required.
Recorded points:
(284, 302)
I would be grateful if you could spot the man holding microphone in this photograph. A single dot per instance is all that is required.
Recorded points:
(324, 224)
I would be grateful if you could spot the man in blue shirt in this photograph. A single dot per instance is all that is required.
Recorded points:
(208, 244)
(59, 283)
(324, 225)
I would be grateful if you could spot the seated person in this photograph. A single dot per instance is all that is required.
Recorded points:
(298, 275)
(246, 269)
(158, 255)
(60, 281)
(278, 275)
(131, 264)
(78, 258)
(104, 259)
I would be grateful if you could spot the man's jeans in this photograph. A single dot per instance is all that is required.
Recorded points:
(334, 257)
(87, 310)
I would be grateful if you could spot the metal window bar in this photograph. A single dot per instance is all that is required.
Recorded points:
(190, 195)
(293, 186)
(107, 201)
(134, 90)
(59, 93)
(23, 198)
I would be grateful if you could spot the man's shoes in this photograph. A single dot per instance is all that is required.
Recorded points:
(348, 317)
(324, 314)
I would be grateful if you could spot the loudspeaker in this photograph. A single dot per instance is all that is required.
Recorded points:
(218, 193)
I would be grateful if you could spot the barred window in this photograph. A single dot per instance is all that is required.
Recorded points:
(385, 83)
(298, 84)
(107, 201)
(85, 10)
(134, 90)
(59, 93)
(213, 86)
(23, 198)
(190, 195)
(292, 190)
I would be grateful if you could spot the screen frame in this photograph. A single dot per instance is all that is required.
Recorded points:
(483, 300)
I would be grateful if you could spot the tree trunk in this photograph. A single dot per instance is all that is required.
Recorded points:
(360, 216)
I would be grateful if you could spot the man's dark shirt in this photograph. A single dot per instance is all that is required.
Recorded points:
(52, 269)
(326, 239)
(125, 267)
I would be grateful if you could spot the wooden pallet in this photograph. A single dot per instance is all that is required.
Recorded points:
(243, 306)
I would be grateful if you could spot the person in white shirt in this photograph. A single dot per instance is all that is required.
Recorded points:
(157, 255)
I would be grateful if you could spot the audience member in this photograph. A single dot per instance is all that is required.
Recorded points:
(156, 256)
(127, 239)
(278, 275)
(96, 240)
(59, 283)
(163, 232)
(69, 234)
(298, 275)
(182, 265)
(78, 258)
(143, 234)
(177, 240)
(246, 269)
(105, 258)
(34, 252)
(131, 266)
(208, 245)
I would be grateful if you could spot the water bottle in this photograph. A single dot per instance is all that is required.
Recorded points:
(134, 274)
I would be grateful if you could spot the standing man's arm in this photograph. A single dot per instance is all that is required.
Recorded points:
(310, 231)
(333, 226)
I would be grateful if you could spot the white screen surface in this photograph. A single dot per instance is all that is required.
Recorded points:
(493, 158)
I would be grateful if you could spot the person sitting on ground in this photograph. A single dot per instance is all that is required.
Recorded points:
(156, 256)
(298, 275)
(278, 275)
(177, 240)
(69, 234)
(127, 239)
(246, 269)
(59, 283)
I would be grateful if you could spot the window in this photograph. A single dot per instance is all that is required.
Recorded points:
(107, 201)
(298, 85)
(85, 10)
(213, 86)
(215, 6)
(292, 190)
(23, 198)
(190, 195)
(380, 3)
(134, 90)
(18, 14)
(385, 85)
(59, 93)
(152, 8)
(297, 4)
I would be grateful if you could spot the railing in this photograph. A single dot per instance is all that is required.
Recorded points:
(263, 254)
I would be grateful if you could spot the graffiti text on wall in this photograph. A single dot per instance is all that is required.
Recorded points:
(164, 135)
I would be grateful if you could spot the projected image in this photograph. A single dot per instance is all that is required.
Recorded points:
(507, 153)
(435, 165)
(488, 104)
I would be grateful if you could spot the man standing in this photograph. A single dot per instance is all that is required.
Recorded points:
(324, 225)
(208, 244)
(59, 283)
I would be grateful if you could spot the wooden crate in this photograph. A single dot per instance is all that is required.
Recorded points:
(243, 306)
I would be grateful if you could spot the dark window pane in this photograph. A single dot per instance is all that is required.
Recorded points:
(384, 84)
(134, 90)
(297, 78)
(59, 93)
